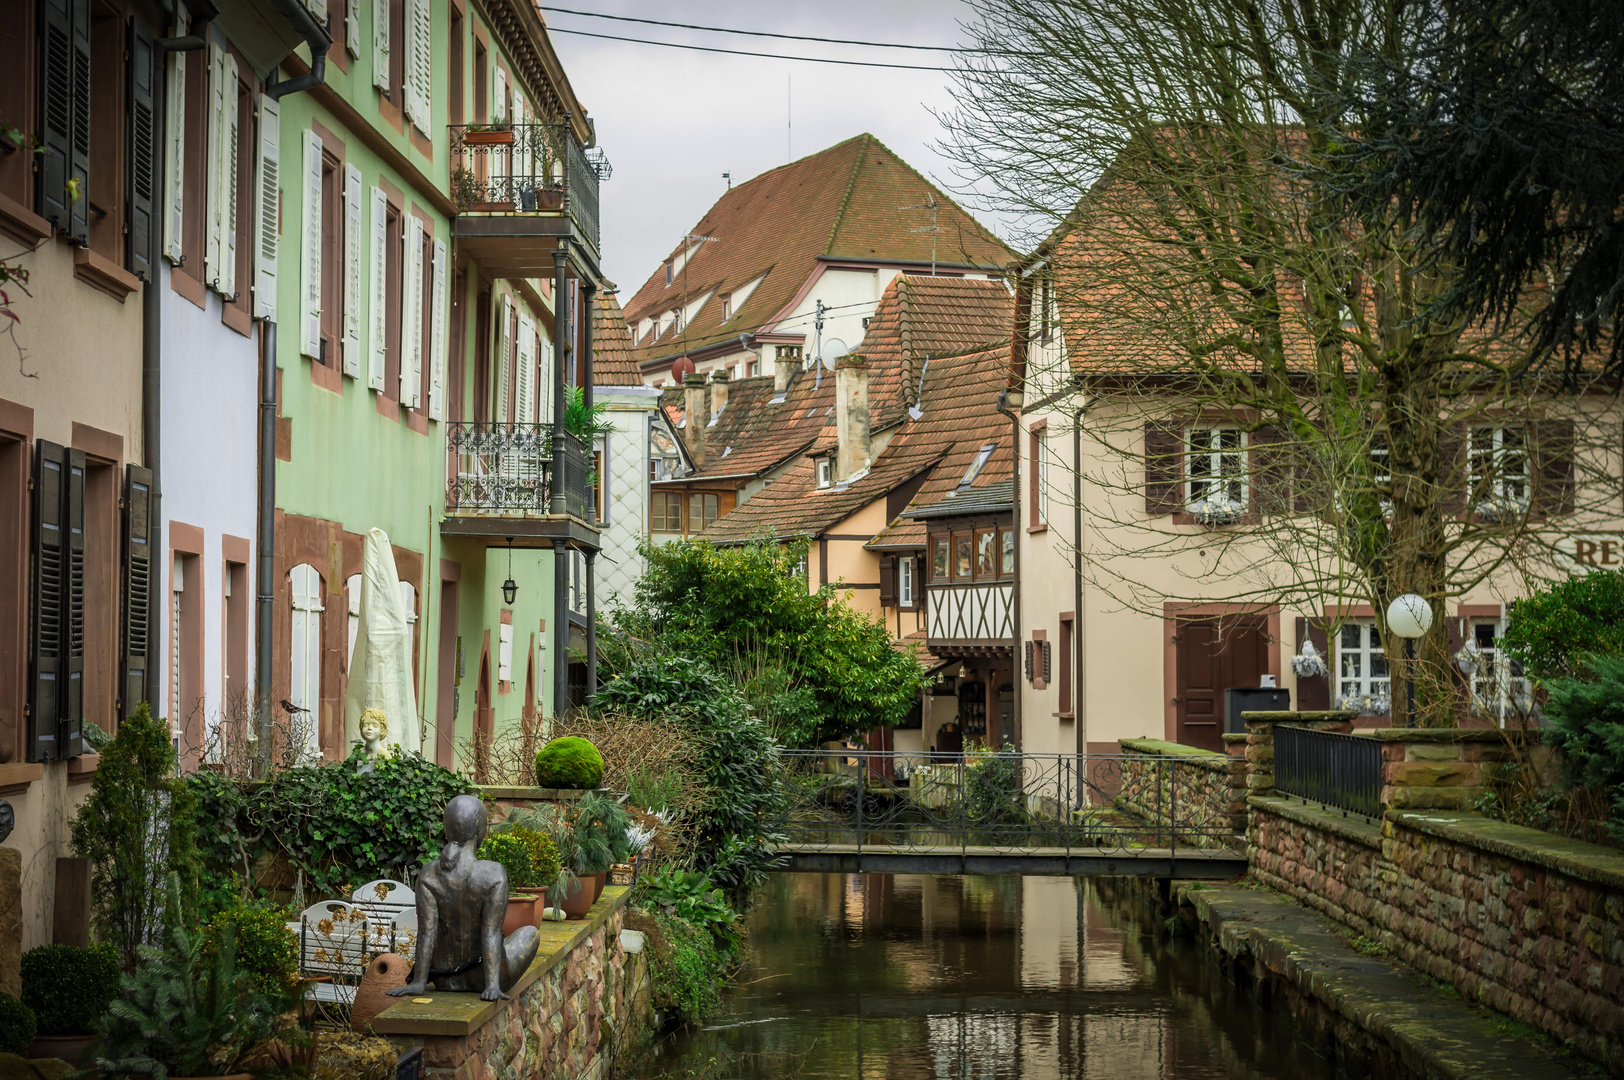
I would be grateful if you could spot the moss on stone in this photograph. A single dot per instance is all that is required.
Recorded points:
(570, 762)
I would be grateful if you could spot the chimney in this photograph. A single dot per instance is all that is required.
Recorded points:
(851, 415)
(694, 416)
(786, 362)
(718, 391)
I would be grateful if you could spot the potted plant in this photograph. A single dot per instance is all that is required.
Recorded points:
(598, 837)
(69, 988)
(487, 135)
(530, 858)
(185, 1014)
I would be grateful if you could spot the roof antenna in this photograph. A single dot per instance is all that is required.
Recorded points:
(729, 178)
(932, 205)
(917, 409)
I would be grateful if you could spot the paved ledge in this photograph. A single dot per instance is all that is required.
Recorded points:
(1210, 758)
(1435, 1034)
(1348, 827)
(1575, 858)
(1452, 735)
(456, 1015)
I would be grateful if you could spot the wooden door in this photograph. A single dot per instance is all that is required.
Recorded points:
(1212, 656)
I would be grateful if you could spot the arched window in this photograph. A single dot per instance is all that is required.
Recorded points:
(305, 691)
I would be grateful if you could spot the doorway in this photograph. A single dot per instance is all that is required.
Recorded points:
(1213, 654)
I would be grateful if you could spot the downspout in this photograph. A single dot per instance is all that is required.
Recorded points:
(265, 540)
(1079, 709)
(1010, 401)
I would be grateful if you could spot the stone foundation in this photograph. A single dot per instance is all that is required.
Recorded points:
(584, 1001)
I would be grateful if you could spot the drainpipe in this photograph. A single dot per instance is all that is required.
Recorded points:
(1078, 682)
(1010, 400)
(265, 541)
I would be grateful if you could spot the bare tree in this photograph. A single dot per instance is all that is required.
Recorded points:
(1276, 406)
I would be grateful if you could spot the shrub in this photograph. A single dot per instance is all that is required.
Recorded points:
(691, 896)
(69, 987)
(685, 966)
(266, 948)
(597, 834)
(1555, 631)
(17, 1026)
(570, 762)
(513, 853)
(1585, 722)
(544, 859)
(136, 827)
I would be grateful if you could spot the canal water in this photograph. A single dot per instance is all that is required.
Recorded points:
(896, 977)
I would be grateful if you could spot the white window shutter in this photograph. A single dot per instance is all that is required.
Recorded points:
(419, 44)
(378, 300)
(501, 356)
(212, 231)
(175, 131)
(310, 290)
(437, 334)
(499, 111)
(380, 44)
(352, 271)
(228, 191)
(544, 377)
(411, 315)
(352, 27)
(305, 661)
(525, 375)
(267, 208)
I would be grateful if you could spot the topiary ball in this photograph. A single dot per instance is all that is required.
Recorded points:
(69, 987)
(570, 762)
(17, 1025)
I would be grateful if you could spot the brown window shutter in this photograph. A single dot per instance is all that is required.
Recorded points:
(140, 540)
(1164, 469)
(1553, 467)
(1028, 658)
(49, 569)
(888, 579)
(1048, 656)
(1452, 479)
(70, 719)
(1315, 692)
(1270, 463)
(143, 151)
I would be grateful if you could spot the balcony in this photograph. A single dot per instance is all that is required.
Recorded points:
(519, 190)
(500, 480)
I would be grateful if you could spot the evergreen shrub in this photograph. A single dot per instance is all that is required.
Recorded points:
(68, 987)
(17, 1026)
(570, 762)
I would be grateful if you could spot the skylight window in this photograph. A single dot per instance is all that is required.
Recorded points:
(976, 466)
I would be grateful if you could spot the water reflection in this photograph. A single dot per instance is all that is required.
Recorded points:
(897, 977)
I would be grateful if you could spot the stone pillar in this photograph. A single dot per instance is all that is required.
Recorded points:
(694, 417)
(1260, 740)
(786, 362)
(1441, 768)
(1235, 743)
(851, 416)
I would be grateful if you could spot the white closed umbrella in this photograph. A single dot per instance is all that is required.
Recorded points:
(381, 665)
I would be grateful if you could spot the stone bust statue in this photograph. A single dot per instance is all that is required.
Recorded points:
(461, 902)
(374, 727)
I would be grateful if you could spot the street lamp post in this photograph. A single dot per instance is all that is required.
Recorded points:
(1409, 616)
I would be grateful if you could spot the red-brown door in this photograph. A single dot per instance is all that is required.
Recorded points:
(1214, 655)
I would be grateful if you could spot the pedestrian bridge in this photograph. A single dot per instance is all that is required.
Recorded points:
(857, 811)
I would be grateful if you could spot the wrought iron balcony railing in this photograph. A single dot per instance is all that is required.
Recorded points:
(526, 169)
(511, 469)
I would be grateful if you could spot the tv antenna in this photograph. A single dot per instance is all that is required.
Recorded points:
(729, 178)
(687, 257)
(932, 205)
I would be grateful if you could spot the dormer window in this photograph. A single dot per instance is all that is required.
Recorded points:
(976, 466)
(727, 307)
(825, 472)
(668, 273)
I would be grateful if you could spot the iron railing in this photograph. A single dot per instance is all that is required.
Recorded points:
(510, 469)
(526, 169)
(1002, 801)
(1330, 768)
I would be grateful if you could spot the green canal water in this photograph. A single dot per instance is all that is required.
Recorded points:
(895, 977)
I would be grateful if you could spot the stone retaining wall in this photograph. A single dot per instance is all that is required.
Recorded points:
(1529, 923)
(1194, 789)
(583, 1001)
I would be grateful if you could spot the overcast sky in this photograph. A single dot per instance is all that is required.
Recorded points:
(673, 121)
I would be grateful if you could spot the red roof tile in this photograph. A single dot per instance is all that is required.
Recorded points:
(612, 363)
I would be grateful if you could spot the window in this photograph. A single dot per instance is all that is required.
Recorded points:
(1497, 458)
(18, 57)
(1216, 470)
(701, 511)
(1006, 552)
(304, 689)
(331, 266)
(56, 695)
(1063, 646)
(1500, 690)
(727, 307)
(1038, 466)
(482, 106)
(666, 512)
(905, 581)
(753, 368)
(394, 229)
(668, 271)
(235, 676)
(938, 559)
(976, 466)
(961, 555)
(600, 485)
(986, 565)
(1045, 306)
(824, 472)
(1363, 683)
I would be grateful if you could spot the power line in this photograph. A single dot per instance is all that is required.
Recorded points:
(756, 33)
(743, 52)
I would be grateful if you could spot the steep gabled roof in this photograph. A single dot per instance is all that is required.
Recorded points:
(842, 202)
(612, 363)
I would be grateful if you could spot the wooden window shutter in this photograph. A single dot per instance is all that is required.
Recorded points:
(544, 377)
(140, 541)
(228, 186)
(48, 667)
(524, 373)
(438, 317)
(380, 278)
(419, 54)
(1553, 467)
(502, 362)
(310, 233)
(1315, 692)
(352, 27)
(175, 143)
(57, 76)
(1164, 469)
(380, 44)
(888, 579)
(143, 151)
(213, 214)
(1026, 649)
(411, 315)
(1048, 658)
(70, 720)
(268, 208)
(352, 271)
(1452, 479)
(1271, 471)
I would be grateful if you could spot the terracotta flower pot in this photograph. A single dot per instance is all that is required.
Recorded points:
(579, 900)
(386, 972)
(66, 1047)
(521, 911)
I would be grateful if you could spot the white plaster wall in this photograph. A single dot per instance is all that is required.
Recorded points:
(210, 412)
(618, 564)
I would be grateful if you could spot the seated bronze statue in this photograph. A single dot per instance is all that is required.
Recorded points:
(461, 902)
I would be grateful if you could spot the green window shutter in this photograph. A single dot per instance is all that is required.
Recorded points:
(46, 666)
(143, 144)
(70, 718)
(65, 116)
(140, 540)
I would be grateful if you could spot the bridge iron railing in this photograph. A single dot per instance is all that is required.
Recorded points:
(1002, 802)
(1328, 767)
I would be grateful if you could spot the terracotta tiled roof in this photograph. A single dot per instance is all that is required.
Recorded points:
(612, 363)
(842, 202)
(754, 434)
